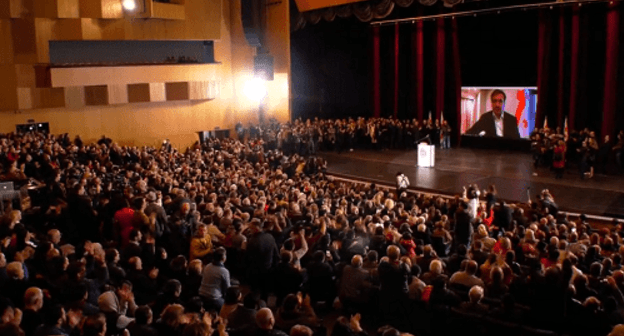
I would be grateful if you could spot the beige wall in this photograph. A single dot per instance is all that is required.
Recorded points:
(150, 123)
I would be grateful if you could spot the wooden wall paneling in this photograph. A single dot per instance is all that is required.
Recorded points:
(21, 8)
(25, 98)
(278, 36)
(75, 97)
(8, 84)
(198, 90)
(157, 92)
(117, 94)
(46, 9)
(90, 9)
(177, 91)
(101, 9)
(102, 29)
(44, 29)
(90, 29)
(203, 19)
(68, 8)
(96, 95)
(152, 29)
(5, 9)
(112, 9)
(214, 90)
(278, 39)
(161, 10)
(24, 43)
(112, 29)
(110, 75)
(43, 78)
(67, 30)
(6, 42)
(139, 93)
(48, 97)
(25, 75)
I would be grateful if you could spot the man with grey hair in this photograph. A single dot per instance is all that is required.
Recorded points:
(266, 321)
(467, 278)
(355, 283)
(31, 318)
(474, 305)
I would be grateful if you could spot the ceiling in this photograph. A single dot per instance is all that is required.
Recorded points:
(308, 5)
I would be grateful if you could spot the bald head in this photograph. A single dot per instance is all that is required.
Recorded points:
(33, 298)
(54, 236)
(265, 319)
(357, 261)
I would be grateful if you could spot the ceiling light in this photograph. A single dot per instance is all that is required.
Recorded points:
(129, 5)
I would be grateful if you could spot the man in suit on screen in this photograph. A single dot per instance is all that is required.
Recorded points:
(496, 123)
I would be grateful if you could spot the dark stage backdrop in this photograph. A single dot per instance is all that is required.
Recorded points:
(581, 75)
(331, 70)
(572, 54)
(332, 62)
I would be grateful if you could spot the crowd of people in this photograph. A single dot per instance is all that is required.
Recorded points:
(348, 134)
(581, 149)
(252, 238)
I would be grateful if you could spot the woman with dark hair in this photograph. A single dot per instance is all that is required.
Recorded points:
(231, 298)
(296, 310)
(490, 199)
(348, 327)
(170, 295)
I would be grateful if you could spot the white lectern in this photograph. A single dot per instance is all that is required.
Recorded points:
(426, 155)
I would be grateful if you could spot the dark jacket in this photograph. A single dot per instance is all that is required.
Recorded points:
(486, 123)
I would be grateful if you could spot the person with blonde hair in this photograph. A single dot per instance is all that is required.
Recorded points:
(201, 243)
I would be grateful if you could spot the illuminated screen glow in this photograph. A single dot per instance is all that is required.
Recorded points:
(521, 102)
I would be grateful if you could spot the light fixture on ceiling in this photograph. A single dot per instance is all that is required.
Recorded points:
(129, 5)
(255, 89)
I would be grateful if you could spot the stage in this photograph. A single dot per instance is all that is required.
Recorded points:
(511, 172)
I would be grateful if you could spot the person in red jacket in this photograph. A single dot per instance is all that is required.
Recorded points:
(559, 159)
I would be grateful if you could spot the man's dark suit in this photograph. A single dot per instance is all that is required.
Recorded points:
(486, 123)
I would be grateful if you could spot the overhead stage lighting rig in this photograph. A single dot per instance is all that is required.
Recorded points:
(494, 10)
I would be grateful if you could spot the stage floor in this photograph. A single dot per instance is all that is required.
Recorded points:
(511, 172)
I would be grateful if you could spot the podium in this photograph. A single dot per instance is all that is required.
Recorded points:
(426, 155)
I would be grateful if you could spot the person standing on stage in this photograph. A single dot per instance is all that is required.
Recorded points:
(559, 159)
(496, 123)
(402, 183)
(445, 131)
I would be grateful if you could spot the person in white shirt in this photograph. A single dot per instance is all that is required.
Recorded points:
(402, 183)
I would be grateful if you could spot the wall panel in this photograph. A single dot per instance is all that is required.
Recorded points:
(6, 42)
(24, 43)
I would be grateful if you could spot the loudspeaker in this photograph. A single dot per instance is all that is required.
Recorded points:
(33, 127)
(253, 18)
(216, 133)
(263, 67)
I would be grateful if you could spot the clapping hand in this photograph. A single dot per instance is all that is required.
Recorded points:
(354, 322)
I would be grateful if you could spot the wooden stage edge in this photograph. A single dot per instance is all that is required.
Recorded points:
(512, 173)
